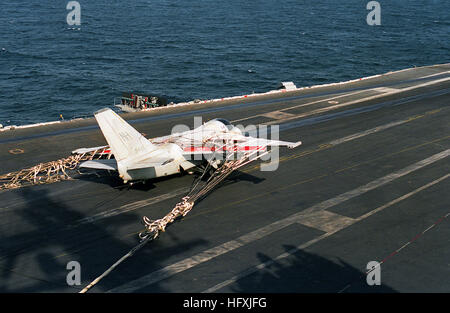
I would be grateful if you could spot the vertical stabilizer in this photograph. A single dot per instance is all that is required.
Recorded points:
(123, 139)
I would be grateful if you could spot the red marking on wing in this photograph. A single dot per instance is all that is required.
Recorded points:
(234, 148)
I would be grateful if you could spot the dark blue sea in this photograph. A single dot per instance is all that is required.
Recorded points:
(203, 49)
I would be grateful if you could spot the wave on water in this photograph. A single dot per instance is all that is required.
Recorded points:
(200, 50)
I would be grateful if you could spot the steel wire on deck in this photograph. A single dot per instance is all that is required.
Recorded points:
(48, 172)
(181, 209)
(54, 171)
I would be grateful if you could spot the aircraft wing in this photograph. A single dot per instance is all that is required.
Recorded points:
(241, 140)
(249, 144)
(252, 141)
(249, 141)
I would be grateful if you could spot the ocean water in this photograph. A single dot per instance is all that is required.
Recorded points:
(200, 49)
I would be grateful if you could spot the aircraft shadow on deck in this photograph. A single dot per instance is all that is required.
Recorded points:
(304, 272)
(40, 242)
(113, 179)
(96, 248)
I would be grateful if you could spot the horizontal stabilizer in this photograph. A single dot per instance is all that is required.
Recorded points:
(100, 164)
(87, 150)
(294, 144)
(150, 163)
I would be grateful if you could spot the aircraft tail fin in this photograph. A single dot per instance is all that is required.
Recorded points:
(123, 139)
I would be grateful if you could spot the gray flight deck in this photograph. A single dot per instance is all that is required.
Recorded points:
(369, 183)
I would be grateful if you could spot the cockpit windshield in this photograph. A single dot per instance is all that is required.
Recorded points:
(224, 122)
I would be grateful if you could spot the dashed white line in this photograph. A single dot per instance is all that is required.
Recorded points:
(337, 106)
(258, 267)
(209, 254)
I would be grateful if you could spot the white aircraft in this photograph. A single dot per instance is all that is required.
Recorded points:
(138, 159)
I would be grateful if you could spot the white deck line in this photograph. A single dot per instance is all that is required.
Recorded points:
(209, 254)
(303, 246)
(9, 127)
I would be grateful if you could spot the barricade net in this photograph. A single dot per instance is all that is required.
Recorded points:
(48, 172)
